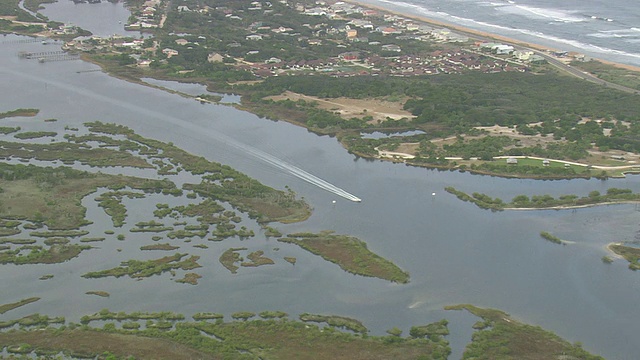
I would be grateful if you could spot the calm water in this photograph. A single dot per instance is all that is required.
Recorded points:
(192, 89)
(609, 29)
(455, 252)
(103, 19)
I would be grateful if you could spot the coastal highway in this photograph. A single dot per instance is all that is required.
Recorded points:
(483, 36)
(582, 74)
(550, 59)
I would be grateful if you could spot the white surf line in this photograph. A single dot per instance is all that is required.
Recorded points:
(268, 158)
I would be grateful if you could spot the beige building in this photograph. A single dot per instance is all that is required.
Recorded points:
(214, 58)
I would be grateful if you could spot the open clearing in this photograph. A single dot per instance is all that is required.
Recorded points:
(379, 109)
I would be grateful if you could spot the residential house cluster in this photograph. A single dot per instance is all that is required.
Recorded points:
(108, 43)
(146, 19)
(504, 49)
(275, 67)
(356, 28)
(438, 62)
(65, 29)
(390, 59)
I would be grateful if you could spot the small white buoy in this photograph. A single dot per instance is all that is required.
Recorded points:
(333, 202)
(433, 194)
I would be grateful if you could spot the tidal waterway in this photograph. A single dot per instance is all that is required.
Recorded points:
(454, 251)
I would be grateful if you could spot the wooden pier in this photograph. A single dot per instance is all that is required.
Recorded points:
(21, 41)
(45, 56)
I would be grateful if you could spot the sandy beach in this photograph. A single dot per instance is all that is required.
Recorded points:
(613, 253)
(477, 33)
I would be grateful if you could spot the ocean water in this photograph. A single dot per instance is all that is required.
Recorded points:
(603, 29)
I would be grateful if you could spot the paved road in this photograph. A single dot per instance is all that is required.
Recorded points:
(399, 155)
(557, 63)
(581, 74)
(599, 167)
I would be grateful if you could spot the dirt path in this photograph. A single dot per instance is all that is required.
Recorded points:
(25, 23)
(395, 154)
(621, 167)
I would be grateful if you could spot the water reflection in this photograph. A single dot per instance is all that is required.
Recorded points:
(381, 135)
(103, 19)
(192, 89)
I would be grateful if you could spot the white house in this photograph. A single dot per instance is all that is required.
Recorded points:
(254, 37)
(170, 52)
(391, 47)
(522, 55)
(315, 12)
(503, 49)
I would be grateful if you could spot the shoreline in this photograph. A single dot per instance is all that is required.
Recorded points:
(571, 207)
(479, 33)
(613, 253)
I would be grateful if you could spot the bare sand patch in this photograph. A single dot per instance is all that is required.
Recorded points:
(613, 253)
(246, 82)
(408, 148)
(378, 109)
(511, 132)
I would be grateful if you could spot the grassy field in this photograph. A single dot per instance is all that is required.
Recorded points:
(89, 343)
(19, 112)
(610, 73)
(7, 307)
(551, 238)
(502, 337)
(254, 339)
(552, 164)
(58, 205)
(273, 336)
(142, 269)
(569, 201)
(53, 196)
(631, 254)
(350, 253)
(70, 153)
(35, 254)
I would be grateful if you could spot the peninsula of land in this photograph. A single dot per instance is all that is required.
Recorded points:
(548, 202)
(380, 82)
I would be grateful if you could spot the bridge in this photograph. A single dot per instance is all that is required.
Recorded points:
(21, 41)
(44, 56)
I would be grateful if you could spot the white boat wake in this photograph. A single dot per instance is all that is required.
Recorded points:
(296, 171)
(268, 158)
